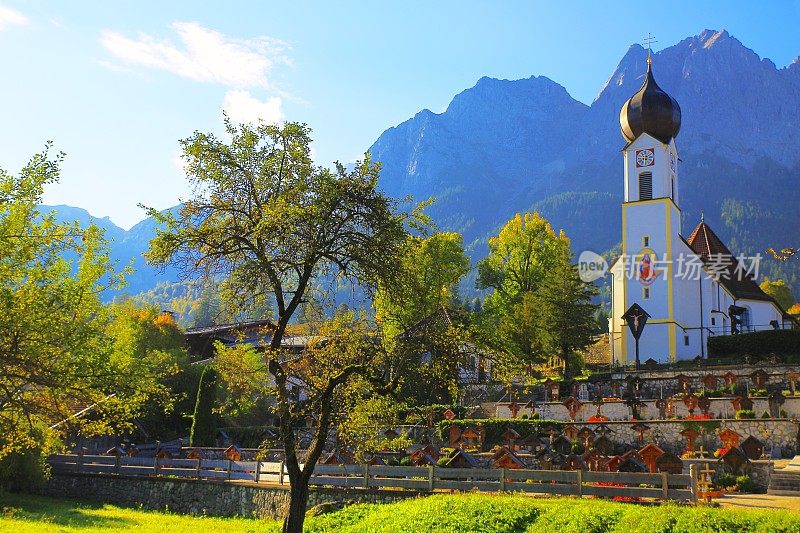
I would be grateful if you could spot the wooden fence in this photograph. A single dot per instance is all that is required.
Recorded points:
(425, 478)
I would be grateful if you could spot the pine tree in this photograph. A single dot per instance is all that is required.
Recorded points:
(565, 314)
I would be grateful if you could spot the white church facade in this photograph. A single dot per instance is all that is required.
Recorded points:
(691, 287)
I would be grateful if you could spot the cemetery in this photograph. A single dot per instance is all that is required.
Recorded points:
(710, 429)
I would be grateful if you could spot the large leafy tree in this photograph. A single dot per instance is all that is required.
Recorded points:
(537, 307)
(429, 335)
(520, 259)
(56, 354)
(269, 224)
(431, 269)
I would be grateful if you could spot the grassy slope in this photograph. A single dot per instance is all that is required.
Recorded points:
(457, 514)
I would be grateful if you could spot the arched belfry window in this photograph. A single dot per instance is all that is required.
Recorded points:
(646, 186)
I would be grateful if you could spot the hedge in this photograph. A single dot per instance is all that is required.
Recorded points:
(756, 346)
(495, 427)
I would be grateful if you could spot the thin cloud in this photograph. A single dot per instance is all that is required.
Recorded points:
(202, 54)
(11, 17)
(241, 106)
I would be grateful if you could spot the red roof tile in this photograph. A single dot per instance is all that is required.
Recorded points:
(705, 243)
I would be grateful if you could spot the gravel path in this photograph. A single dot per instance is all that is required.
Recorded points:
(760, 501)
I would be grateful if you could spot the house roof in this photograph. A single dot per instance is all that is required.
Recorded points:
(223, 329)
(705, 243)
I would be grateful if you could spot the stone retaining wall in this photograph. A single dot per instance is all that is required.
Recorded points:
(656, 381)
(782, 434)
(617, 410)
(759, 471)
(192, 496)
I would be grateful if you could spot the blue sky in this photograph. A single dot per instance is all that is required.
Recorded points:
(117, 84)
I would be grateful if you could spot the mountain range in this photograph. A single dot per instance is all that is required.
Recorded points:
(506, 146)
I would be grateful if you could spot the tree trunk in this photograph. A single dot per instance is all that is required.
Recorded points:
(565, 358)
(298, 493)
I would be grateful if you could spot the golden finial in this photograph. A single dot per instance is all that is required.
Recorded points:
(649, 40)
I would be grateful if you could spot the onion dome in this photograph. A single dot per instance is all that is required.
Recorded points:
(650, 110)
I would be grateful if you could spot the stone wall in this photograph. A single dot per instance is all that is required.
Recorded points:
(192, 496)
(617, 410)
(781, 434)
(759, 471)
(656, 382)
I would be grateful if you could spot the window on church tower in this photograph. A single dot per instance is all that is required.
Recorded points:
(646, 186)
(646, 292)
(686, 340)
(713, 321)
(645, 241)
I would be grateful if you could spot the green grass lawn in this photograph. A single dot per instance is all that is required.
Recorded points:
(479, 513)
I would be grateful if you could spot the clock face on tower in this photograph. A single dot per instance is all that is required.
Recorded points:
(645, 158)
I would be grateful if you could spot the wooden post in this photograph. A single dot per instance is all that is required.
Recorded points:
(580, 483)
(155, 464)
(431, 475)
(693, 474)
(258, 470)
(230, 467)
(664, 484)
(366, 475)
(117, 462)
(280, 475)
(79, 461)
(502, 480)
(199, 462)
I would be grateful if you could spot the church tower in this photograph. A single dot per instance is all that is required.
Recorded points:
(651, 221)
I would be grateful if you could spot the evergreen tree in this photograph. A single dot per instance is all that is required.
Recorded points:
(203, 423)
(565, 316)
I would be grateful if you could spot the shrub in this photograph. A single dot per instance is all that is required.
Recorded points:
(442, 461)
(765, 415)
(25, 469)
(405, 461)
(727, 480)
(577, 448)
(745, 484)
(722, 391)
(745, 413)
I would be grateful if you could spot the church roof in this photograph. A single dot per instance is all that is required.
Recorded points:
(705, 243)
(650, 110)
